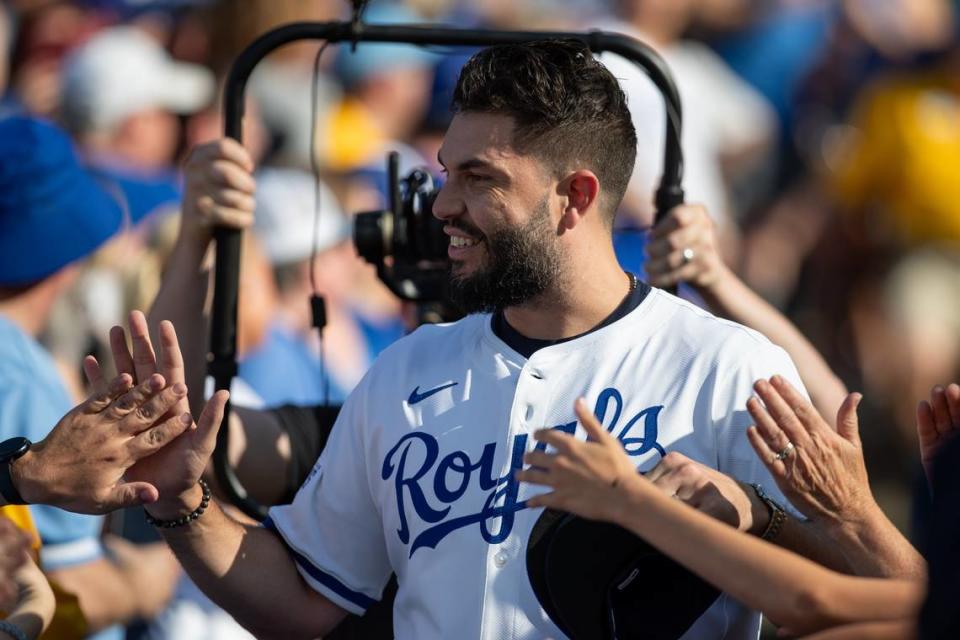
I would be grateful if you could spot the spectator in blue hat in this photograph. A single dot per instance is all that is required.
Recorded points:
(52, 215)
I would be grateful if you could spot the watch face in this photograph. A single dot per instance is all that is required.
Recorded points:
(13, 448)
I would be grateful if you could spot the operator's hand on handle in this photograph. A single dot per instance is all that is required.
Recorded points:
(683, 247)
(176, 468)
(219, 190)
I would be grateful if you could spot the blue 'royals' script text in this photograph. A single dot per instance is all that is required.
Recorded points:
(432, 484)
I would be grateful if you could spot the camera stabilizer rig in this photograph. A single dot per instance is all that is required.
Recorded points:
(405, 235)
(406, 242)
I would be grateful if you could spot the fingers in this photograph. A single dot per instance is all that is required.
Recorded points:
(562, 442)
(669, 462)
(540, 459)
(213, 213)
(767, 427)
(220, 174)
(224, 149)
(678, 218)
(674, 242)
(232, 176)
(767, 455)
(800, 406)
(953, 404)
(209, 423)
(153, 408)
(786, 422)
(941, 412)
(121, 352)
(94, 374)
(687, 273)
(134, 398)
(102, 399)
(536, 476)
(171, 357)
(159, 435)
(132, 494)
(926, 428)
(548, 500)
(144, 358)
(848, 425)
(591, 425)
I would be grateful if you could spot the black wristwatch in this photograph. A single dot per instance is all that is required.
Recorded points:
(10, 450)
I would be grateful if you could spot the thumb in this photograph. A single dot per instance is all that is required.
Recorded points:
(133, 494)
(210, 418)
(848, 425)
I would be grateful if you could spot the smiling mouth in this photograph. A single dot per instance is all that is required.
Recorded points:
(460, 242)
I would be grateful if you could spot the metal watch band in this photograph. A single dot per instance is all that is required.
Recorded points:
(777, 515)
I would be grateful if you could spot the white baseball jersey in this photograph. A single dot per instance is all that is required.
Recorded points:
(418, 474)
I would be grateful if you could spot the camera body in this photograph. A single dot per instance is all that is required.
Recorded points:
(406, 243)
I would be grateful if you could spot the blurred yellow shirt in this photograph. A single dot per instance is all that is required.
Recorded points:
(903, 158)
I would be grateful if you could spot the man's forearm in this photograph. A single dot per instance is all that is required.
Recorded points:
(226, 560)
(182, 300)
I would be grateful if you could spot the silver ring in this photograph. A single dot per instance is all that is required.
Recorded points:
(786, 451)
(688, 254)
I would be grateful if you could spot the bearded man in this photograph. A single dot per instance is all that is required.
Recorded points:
(418, 475)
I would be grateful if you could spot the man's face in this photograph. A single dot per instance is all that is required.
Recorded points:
(501, 213)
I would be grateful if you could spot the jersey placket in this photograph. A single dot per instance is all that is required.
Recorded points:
(506, 562)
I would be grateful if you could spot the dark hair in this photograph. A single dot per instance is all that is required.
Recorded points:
(568, 108)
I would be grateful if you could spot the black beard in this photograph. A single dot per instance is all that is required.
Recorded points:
(523, 263)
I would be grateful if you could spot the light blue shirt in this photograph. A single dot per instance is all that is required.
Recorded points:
(32, 400)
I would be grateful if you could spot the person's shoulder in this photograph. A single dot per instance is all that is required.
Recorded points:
(430, 344)
(703, 330)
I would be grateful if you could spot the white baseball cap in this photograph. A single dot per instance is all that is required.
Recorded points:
(122, 71)
(284, 218)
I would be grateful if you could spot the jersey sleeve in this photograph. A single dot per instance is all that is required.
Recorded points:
(333, 526)
(731, 418)
(68, 539)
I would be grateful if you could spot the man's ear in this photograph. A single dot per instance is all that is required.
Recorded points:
(580, 190)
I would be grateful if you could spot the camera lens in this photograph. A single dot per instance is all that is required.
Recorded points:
(372, 235)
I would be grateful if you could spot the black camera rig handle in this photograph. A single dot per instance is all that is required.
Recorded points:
(223, 338)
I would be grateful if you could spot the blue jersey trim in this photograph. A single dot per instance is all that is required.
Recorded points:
(321, 576)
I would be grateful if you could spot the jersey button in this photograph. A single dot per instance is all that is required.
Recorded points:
(500, 559)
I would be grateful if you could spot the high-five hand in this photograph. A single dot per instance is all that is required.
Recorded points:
(819, 469)
(175, 469)
(82, 464)
(937, 421)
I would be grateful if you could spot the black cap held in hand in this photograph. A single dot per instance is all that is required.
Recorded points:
(598, 580)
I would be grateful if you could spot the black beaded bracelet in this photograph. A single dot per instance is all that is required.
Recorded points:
(187, 519)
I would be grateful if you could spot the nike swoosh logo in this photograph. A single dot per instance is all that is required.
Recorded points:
(416, 396)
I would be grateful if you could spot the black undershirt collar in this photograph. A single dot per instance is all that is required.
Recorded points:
(528, 346)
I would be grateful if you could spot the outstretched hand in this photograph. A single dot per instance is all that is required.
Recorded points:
(82, 465)
(821, 471)
(176, 468)
(586, 477)
(937, 421)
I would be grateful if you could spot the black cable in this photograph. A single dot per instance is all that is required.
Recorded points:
(317, 304)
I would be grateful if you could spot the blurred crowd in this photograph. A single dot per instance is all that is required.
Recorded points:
(821, 135)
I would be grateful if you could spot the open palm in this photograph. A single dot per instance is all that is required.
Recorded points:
(177, 467)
